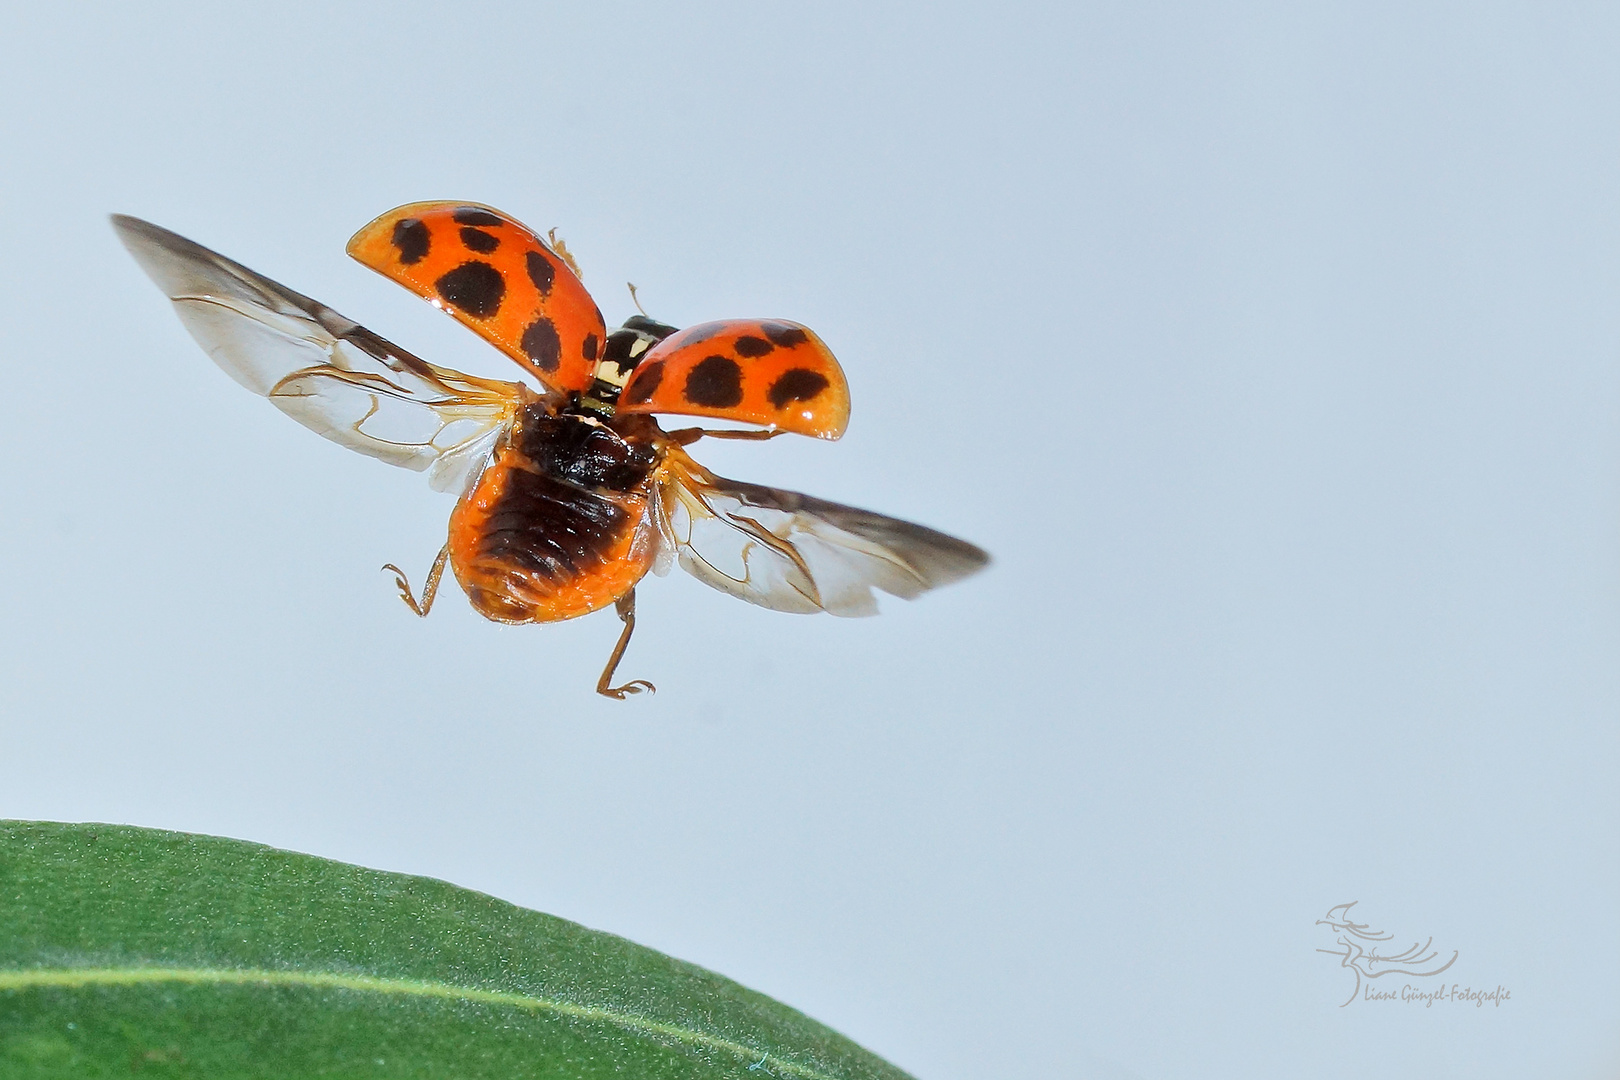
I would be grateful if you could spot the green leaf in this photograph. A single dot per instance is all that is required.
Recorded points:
(170, 955)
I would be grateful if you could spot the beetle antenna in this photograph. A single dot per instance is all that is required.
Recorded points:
(635, 301)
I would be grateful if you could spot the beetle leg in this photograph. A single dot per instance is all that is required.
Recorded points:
(626, 607)
(690, 435)
(429, 590)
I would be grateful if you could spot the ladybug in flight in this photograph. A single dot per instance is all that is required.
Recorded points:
(569, 494)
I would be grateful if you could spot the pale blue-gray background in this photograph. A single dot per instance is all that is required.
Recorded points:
(1272, 349)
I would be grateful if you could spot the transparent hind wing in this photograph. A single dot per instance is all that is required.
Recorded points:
(791, 552)
(326, 371)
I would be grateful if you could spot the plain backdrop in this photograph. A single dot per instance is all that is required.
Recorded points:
(1272, 349)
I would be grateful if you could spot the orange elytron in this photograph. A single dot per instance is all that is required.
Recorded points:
(572, 493)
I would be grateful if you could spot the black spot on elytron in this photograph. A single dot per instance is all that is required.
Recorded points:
(479, 240)
(749, 345)
(475, 287)
(590, 346)
(645, 384)
(694, 335)
(541, 344)
(796, 384)
(472, 215)
(412, 238)
(784, 335)
(715, 382)
(541, 272)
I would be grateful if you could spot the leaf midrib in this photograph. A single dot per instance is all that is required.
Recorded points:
(75, 978)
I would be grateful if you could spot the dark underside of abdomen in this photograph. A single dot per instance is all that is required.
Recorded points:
(530, 545)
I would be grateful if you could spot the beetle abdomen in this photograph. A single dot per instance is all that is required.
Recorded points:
(557, 525)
